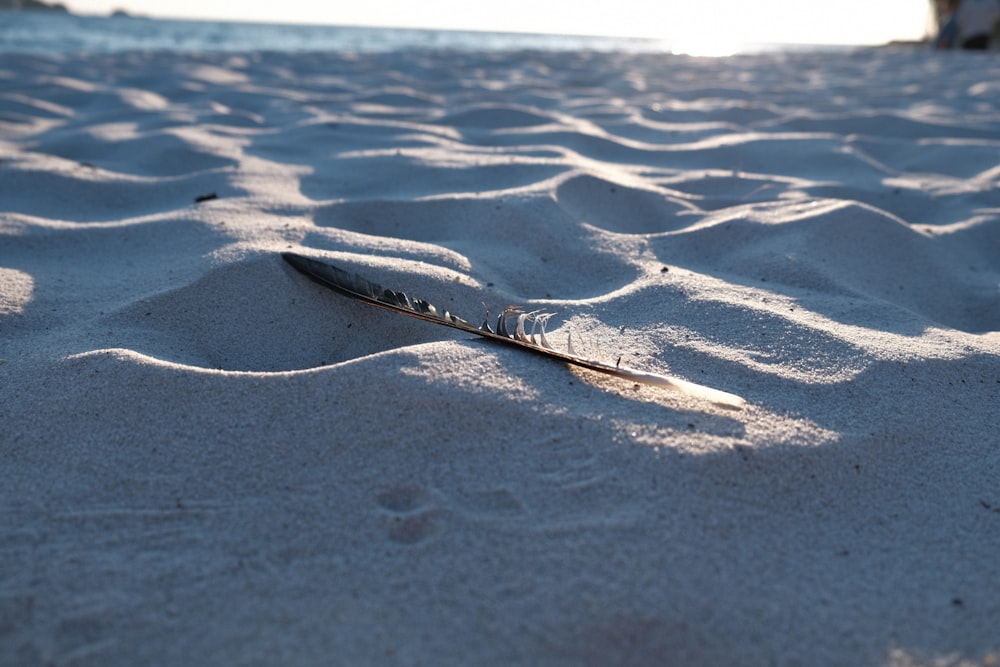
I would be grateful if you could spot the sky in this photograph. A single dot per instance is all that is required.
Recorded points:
(710, 23)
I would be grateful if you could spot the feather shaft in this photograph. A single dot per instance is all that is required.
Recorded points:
(356, 287)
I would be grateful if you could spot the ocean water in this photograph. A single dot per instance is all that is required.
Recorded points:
(46, 32)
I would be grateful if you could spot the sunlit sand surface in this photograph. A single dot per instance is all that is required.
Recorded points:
(208, 458)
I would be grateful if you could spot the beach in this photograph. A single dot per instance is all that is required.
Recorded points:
(210, 459)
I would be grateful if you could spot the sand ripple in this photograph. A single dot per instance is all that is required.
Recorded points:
(532, 194)
(205, 454)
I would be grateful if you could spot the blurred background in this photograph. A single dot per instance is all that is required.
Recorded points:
(705, 27)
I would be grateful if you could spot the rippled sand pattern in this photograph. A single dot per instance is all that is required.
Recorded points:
(209, 458)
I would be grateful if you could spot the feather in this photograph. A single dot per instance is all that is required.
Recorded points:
(356, 287)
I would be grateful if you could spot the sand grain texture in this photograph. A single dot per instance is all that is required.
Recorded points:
(208, 459)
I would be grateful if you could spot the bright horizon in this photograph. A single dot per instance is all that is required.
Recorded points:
(708, 25)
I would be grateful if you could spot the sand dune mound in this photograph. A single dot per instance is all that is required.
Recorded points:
(208, 457)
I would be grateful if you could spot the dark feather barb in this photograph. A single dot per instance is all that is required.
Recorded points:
(356, 287)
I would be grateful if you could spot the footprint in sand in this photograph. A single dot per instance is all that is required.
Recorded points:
(410, 515)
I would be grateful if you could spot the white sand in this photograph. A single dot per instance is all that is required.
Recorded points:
(208, 459)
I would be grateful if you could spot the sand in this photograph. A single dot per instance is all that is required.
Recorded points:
(208, 459)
